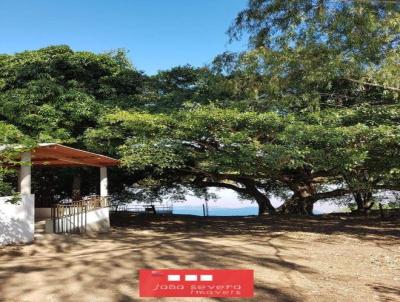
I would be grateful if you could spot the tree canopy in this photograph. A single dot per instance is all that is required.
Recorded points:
(310, 111)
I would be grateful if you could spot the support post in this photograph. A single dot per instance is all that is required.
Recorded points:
(25, 174)
(76, 187)
(103, 182)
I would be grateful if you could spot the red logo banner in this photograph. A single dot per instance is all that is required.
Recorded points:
(196, 283)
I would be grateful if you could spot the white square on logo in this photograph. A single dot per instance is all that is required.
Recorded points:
(206, 278)
(174, 278)
(190, 277)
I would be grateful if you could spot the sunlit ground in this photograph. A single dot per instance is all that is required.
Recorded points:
(313, 259)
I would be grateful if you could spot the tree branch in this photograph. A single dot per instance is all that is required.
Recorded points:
(387, 187)
(220, 185)
(373, 84)
(331, 194)
(219, 176)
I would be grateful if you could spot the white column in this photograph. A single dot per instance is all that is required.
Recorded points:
(25, 174)
(103, 182)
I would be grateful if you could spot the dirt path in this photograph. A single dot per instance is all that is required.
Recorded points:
(325, 259)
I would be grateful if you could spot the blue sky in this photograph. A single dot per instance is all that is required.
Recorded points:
(158, 34)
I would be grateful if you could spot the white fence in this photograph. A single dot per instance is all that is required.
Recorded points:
(95, 220)
(17, 222)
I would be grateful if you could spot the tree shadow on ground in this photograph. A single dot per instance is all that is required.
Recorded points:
(104, 267)
(360, 227)
(386, 293)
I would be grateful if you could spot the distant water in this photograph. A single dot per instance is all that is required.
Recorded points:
(193, 210)
(245, 211)
(319, 208)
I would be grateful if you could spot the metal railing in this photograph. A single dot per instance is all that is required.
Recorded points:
(144, 209)
(72, 217)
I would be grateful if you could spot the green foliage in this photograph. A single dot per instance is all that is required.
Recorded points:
(314, 54)
(249, 143)
(54, 94)
(5, 187)
(10, 137)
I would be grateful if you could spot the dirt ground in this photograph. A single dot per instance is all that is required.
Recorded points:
(307, 259)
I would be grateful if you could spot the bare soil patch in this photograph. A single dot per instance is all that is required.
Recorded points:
(295, 259)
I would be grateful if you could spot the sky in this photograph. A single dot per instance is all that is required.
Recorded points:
(158, 34)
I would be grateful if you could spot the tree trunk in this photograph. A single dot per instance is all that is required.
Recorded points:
(262, 209)
(302, 201)
(297, 206)
(248, 188)
(264, 205)
(364, 201)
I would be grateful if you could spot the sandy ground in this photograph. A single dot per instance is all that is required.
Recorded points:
(312, 259)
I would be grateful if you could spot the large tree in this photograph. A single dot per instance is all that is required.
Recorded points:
(255, 153)
(312, 55)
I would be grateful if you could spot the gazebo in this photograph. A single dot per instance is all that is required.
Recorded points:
(90, 214)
